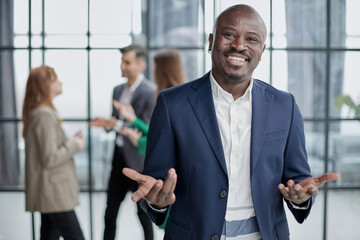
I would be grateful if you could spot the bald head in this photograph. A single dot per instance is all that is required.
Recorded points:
(240, 9)
(236, 46)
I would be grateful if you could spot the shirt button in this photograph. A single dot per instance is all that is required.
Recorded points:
(215, 237)
(223, 194)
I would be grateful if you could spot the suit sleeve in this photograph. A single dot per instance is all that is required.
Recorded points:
(296, 163)
(148, 105)
(161, 151)
(52, 155)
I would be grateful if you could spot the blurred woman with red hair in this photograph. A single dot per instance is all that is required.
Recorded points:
(51, 185)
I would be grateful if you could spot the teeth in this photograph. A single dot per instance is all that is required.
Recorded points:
(237, 59)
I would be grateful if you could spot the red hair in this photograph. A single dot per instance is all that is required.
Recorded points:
(168, 69)
(37, 92)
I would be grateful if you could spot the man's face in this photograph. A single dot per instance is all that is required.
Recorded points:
(237, 45)
(131, 66)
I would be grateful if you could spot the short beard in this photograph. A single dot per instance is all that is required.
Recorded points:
(234, 78)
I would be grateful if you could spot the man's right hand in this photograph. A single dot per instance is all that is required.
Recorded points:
(156, 192)
(103, 122)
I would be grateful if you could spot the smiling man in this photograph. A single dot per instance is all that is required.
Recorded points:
(224, 151)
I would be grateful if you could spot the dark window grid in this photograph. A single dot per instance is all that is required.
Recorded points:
(328, 49)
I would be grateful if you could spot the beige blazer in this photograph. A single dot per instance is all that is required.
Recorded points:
(51, 183)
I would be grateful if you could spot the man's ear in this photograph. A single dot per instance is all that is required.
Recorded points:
(142, 65)
(210, 42)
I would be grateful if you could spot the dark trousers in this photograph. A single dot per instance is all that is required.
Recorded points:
(118, 186)
(65, 224)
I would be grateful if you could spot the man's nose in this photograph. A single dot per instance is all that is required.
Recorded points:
(239, 44)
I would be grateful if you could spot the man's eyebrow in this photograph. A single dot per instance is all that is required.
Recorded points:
(256, 34)
(234, 29)
(227, 28)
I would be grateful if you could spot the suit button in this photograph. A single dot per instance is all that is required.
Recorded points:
(223, 194)
(215, 237)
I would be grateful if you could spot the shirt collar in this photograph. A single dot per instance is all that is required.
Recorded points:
(219, 92)
(137, 82)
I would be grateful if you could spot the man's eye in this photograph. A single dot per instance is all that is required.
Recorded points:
(252, 39)
(229, 35)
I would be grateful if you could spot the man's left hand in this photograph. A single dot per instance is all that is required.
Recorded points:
(301, 192)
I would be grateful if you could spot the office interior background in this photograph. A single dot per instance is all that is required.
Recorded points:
(313, 51)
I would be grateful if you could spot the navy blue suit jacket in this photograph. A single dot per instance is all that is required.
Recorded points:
(184, 135)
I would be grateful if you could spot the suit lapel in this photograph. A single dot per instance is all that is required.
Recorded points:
(119, 92)
(137, 92)
(261, 108)
(203, 105)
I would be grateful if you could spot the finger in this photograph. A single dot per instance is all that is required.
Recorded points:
(134, 175)
(313, 191)
(141, 193)
(300, 192)
(171, 197)
(168, 187)
(284, 191)
(173, 185)
(153, 194)
(327, 177)
(290, 185)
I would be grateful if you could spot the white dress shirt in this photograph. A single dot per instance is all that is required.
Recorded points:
(234, 120)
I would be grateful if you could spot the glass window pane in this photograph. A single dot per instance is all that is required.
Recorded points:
(102, 149)
(71, 69)
(36, 41)
(303, 75)
(36, 59)
(66, 17)
(176, 23)
(21, 149)
(343, 214)
(21, 70)
(279, 24)
(21, 41)
(111, 17)
(36, 16)
(21, 16)
(344, 33)
(15, 222)
(262, 71)
(313, 226)
(344, 141)
(105, 75)
(344, 84)
(305, 23)
(315, 143)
